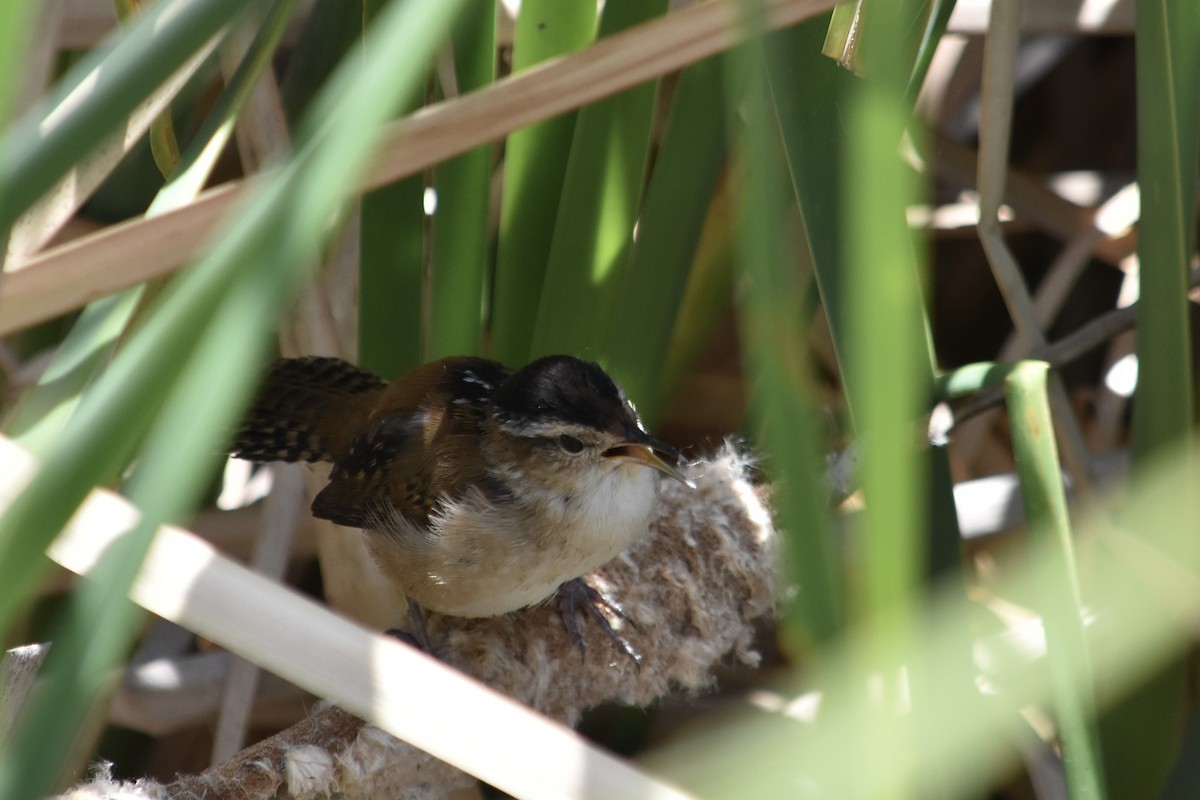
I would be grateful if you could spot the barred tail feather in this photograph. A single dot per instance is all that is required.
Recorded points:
(290, 418)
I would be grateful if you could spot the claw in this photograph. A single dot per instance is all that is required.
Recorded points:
(578, 594)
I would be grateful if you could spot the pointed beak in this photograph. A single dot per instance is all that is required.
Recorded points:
(645, 451)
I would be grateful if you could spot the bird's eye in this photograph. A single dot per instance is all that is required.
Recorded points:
(570, 444)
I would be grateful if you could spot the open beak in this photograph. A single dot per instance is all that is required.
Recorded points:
(646, 452)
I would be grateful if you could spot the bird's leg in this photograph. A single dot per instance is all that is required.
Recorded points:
(418, 637)
(577, 594)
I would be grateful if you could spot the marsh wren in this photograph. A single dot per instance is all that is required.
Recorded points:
(484, 489)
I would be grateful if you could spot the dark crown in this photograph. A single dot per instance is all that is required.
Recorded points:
(565, 389)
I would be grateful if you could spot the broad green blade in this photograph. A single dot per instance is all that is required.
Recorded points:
(391, 266)
(16, 20)
(652, 280)
(459, 236)
(774, 327)
(1141, 734)
(807, 90)
(887, 365)
(535, 160)
(1168, 104)
(812, 96)
(601, 196)
(842, 137)
(390, 277)
(706, 294)
(331, 29)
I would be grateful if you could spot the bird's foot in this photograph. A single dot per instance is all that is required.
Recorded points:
(577, 594)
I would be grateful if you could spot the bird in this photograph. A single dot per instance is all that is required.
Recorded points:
(482, 489)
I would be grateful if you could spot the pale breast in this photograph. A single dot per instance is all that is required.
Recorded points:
(478, 559)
